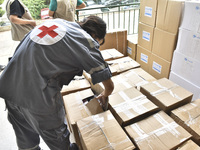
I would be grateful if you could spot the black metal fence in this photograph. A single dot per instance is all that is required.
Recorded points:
(122, 16)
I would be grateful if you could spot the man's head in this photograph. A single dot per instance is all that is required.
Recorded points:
(94, 26)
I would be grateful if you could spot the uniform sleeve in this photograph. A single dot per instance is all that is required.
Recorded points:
(94, 64)
(53, 5)
(16, 9)
(79, 2)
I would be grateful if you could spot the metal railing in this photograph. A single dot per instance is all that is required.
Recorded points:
(123, 16)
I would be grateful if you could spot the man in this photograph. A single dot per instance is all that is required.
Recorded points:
(46, 59)
(20, 18)
(65, 9)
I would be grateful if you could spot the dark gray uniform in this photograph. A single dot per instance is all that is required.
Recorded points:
(47, 58)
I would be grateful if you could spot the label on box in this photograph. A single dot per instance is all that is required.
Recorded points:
(148, 11)
(129, 50)
(146, 36)
(144, 58)
(157, 67)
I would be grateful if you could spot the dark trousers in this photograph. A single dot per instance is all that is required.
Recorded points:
(28, 126)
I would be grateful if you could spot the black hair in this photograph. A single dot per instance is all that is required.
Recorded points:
(95, 26)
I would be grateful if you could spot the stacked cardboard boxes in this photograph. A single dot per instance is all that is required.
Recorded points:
(77, 108)
(166, 94)
(188, 145)
(188, 116)
(186, 59)
(116, 39)
(130, 105)
(77, 84)
(157, 35)
(111, 54)
(157, 132)
(132, 46)
(102, 131)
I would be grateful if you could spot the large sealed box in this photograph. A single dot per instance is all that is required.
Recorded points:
(185, 84)
(157, 132)
(189, 43)
(76, 109)
(164, 44)
(145, 36)
(132, 46)
(158, 67)
(166, 94)
(77, 84)
(130, 105)
(122, 64)
(148, 12)
(169, 13)
(120, 83)
(143, 57)
(186, 67)
(111, 54)
(188, 116)
(116, 39)
(102, 131)
(138, 76)
(189, 145)
(191, 17)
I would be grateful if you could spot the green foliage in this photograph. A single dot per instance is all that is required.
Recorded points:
(1, 12)
(1, 2)
(35, 7)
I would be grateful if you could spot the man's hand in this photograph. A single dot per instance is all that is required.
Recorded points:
(32, 23)
(103, 101)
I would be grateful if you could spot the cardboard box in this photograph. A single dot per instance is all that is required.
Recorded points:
(185, 84)
(138, 76)
(189, 145)
(148, 12)
(166, 94)
(122, 64)
(120, 83)
(130, 105)
(77, 84)
(157, 132)
(116, 39)
(111, 54)
(186, 67)
(143, 58)
(159, 68)
(76, 109)
(188, 116)
(169, 14)
(145, 36)
(191, 17)
(189, 43)
(164, 44)
(132, 46)
(99, 132)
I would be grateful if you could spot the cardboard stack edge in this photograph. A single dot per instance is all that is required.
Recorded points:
(81, 104)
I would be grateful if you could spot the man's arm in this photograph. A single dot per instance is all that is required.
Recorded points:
(16, 20)
(52, 7)
(82, 5)
(103, 97)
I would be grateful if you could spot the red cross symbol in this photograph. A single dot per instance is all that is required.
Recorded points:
(49, 31)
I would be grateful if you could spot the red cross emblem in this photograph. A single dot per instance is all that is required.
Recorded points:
(49, 31)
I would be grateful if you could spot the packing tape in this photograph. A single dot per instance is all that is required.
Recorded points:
(170, 127)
